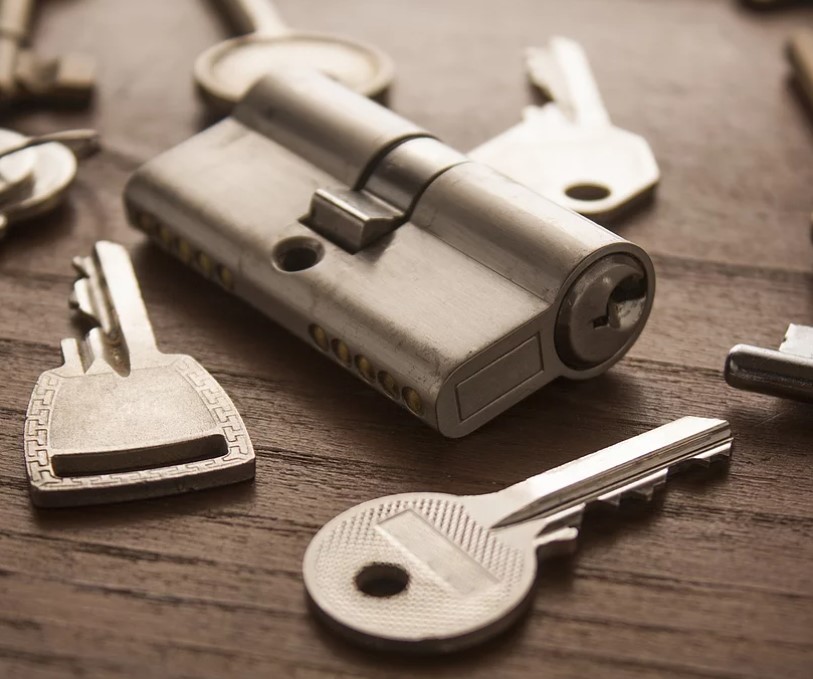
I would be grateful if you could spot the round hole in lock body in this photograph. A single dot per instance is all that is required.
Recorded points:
(297, 254)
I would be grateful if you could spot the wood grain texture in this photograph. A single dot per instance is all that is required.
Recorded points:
(712, 580)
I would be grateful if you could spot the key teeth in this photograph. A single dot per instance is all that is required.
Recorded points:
(612, 500)
(645, 489)
(641, 490)
(643, 494)
(538, 67)
(95, 350)
(80, 300)
(80, 265)
(558, 543)
(709, 457)
(71, 356)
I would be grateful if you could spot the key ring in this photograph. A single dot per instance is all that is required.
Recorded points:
(225, 71)
(53, 159)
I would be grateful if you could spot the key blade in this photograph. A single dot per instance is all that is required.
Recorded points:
(561, 70)
(67, 80)
(640, 489)
(713, 454)
(82, 142)
(125, 298)
(546, 76)
(800, 56)
(15, 18)
(86, 299)
(107, 293)
(798, 341)
(611, 469)
(254, 16)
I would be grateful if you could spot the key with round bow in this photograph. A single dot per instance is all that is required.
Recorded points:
(433, 572)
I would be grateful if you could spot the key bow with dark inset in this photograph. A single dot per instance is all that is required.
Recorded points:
(120, 420)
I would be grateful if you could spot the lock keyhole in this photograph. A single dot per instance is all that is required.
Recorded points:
(624, 305)
(603, 311)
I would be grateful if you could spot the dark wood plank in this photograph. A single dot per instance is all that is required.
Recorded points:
(711, 580)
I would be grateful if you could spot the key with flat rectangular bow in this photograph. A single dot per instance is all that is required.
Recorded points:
(568, 150)
(787, 373)
(432, 572)
(120, 420)
(26, 76)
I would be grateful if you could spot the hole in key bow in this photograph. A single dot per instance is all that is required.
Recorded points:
(382, 580)
(587, 192)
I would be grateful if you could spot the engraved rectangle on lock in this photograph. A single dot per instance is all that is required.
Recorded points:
(500, 377)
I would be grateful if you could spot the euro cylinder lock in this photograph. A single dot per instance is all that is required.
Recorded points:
(445, 285)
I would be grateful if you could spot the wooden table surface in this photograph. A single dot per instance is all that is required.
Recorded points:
(714, 579)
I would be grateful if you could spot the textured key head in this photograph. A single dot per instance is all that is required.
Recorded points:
(98, 436)
(120, 420)
(417, 572)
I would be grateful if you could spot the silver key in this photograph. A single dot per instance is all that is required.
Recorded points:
(82, 142)
(51, 171)
(25, 75)
(787, 373)
(800, 55)
(226, 71)
(120, 420)
(568, 150)
(432, 572)
(15, 24)
(16, 167)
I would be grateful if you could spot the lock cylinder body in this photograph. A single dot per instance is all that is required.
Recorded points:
(451, 289)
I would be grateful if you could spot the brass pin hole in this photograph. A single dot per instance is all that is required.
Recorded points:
(413, 400)
(225, 277)
(365, 368)
(388, 384)
(319, 336)
(167, 238)
(185, 251)
(147, 223)
(204, 263)
(341, 351)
